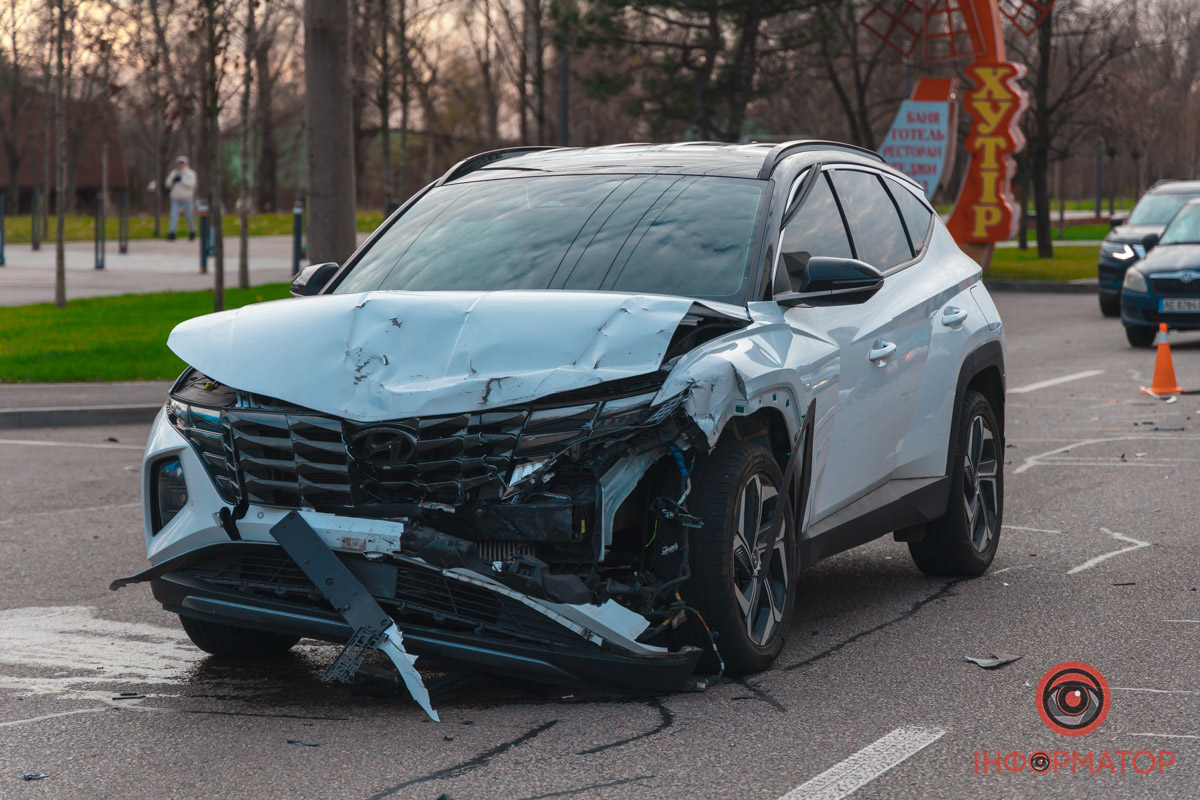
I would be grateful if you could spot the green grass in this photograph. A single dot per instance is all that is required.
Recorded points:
(17, 229)
(1069, 263)
(108, 338)
(1073, 233)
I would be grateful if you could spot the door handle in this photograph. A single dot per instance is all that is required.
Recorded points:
(953, 316)
(881, 351)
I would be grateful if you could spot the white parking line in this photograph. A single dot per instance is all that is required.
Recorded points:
(110, 446)
(867, 764)
(1168, 735)
(1035, 530)
(1134, 545)
(15, 722)
(1033, 387)
(1154, 691)
(1181, 620)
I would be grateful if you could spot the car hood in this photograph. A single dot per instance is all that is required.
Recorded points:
(1132, 234)
(1170, 258)
(385, 355)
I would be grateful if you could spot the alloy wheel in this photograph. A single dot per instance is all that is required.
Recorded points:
(761, 593)
(980, 490)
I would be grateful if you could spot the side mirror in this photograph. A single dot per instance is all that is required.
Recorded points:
(827, 281)
(312, 279)
(1115, 221)
(1149, 241)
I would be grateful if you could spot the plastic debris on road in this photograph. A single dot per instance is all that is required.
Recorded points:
(992, 661)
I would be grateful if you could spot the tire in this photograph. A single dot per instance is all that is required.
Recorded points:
(1110, 305)
(740, 603)
(232, 642)
(963, 542)
(1140, 336)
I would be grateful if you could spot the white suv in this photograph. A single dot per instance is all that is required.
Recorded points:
(570, 412)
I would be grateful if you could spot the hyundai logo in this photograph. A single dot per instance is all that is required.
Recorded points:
(1186, 277)
(383, 447)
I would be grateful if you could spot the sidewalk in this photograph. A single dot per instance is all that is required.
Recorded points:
(151, 265)
(40, 405)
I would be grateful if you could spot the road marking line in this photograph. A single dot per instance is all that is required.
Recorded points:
(85, 510)
(51, 716)
(1006, 569)
(1134, 545)
(1035, 530)
(1168, 735)
(1181, 620)
(1033, 387)
(866, 765)
(1155, 691)
(109, 446)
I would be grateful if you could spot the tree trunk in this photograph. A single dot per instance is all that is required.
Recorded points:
(266, 176)
(384, 102)
(329, 120)
(536, 68)
(250, 35)
(212, 139)
(60, 153)
(1039, 155)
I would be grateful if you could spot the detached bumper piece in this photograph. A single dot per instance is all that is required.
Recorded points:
(451, 614)
(373, 628)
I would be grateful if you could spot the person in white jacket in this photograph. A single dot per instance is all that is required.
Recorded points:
(181, 186)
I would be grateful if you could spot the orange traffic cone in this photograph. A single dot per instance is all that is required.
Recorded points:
(1164, 369)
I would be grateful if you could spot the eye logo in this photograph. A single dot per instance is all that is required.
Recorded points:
(1073, 698)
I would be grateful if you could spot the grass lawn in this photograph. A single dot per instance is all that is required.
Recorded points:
(1069, 263)
(107, 338)
(1073, 233)
(82, 228)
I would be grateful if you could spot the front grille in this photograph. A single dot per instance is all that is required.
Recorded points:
(1175, 286)
(422, 594)
(301, 459)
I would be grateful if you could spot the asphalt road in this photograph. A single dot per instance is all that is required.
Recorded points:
(875, 661)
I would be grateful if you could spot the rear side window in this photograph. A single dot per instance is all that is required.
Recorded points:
(817, 229)
(875, 226)
(916, 216)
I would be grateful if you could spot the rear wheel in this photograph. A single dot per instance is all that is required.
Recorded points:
(742, 582)
(963, 542)
(1140, 336)
(234, 642)
(1110, 305)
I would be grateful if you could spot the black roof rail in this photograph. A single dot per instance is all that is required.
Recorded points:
(468, 165)
(781, 151)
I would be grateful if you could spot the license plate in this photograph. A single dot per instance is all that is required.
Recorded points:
(1179, 304)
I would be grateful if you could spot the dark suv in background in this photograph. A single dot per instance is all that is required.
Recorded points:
(1125, 244)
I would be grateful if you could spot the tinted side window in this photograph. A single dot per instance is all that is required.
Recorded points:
(816, 229)
(916, 216)
(874, 223)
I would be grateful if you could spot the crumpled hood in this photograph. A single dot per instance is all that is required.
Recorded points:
(386, 355)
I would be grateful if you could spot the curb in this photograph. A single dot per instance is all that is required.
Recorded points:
(1053, 287)
(71, 416)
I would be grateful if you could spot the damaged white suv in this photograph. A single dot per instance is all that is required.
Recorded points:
(582, 416)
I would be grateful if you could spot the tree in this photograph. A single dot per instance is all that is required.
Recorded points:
(12, 132)
(60, 153)
(328, 118)
(249, 35)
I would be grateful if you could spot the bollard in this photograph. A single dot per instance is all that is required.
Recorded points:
(2, 199)
(35, 221)
(202, 213)
(123, 224)
(100, 231)
(297, 235)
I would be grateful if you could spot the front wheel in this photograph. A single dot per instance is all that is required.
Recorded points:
(233, 642)
(1110, 305)
(742, 582)
(963, 542)
(1140, 336)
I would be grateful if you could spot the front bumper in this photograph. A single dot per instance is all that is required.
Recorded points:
(1140, 309)
(271, 597)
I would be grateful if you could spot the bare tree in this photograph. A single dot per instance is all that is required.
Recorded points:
(328, 119)
(249, 34)
(60, 152)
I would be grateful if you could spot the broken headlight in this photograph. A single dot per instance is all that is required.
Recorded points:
(168, 493)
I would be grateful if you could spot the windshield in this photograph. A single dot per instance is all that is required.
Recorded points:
(1157, 209)
(1184, 227)
(660, 234)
